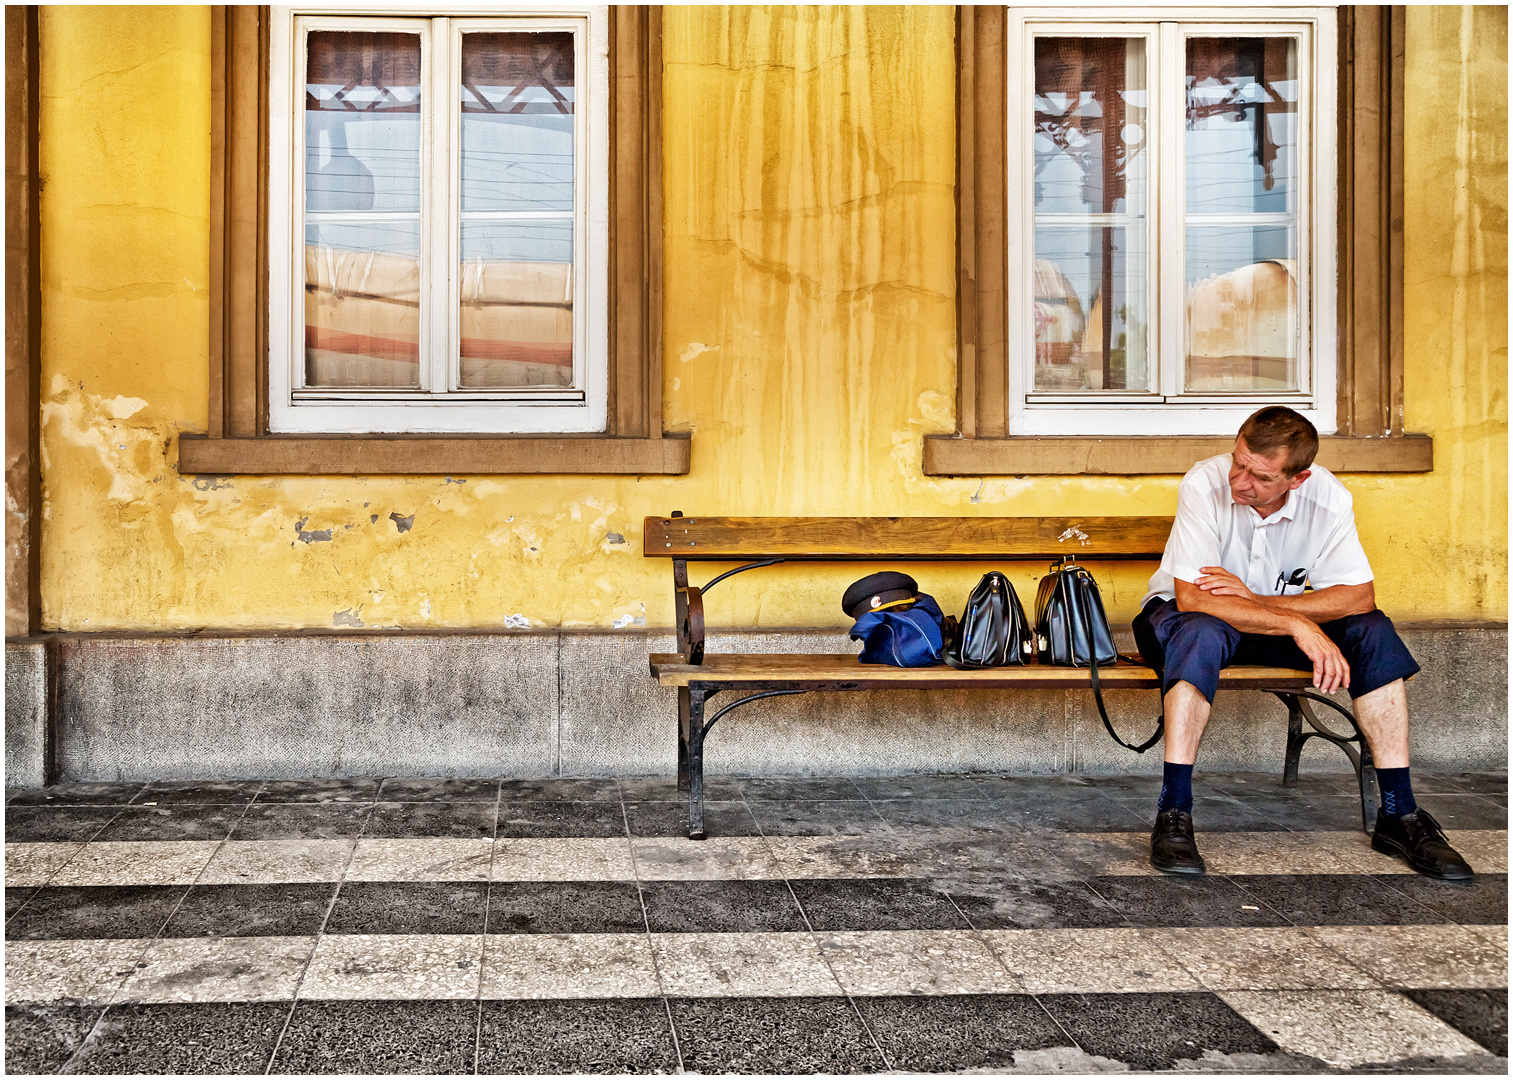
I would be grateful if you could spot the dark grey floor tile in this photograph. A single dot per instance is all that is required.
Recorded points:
(556, 789)
(1140, 786)
(829, 817)
(369, 1037)
(1310, 784)
(1212, 813)
(1454, 811)
(41, 1037)
(978, 1032)
(194, 1039)
(1178, 901)
(1481, 1014)
(1012, 904)
(784, 788)
(1482, 901)
(1074, 811)
(1490, 782)
(876, 904)
(962, 813)
(549, 1037)
(1155, 1031)
(409, 907)
(187, 821)
(671, 819)
(1334, 900)
(356, 789)
(15, 898)
(462, 820)
(567, 819)
(1312, 813)
(303, 821)
(782, 1036)
(82, 794)
(169, 792)
(428, 788)
(681, 907)
(565, 907)
(650, 789)
(56, 824)
(252, 911)
(95, 911)
(922, 787)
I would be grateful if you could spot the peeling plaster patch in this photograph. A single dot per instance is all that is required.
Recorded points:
(1074, 533)
(425, 608)
(372, 519)
(347, 617)
(403, 524)
(311, 537)
(623, 621)
(211, 483)
(695, 348)
(615, 538)
(452, 481)
(977, 495)
(516, 622)
(122, 407)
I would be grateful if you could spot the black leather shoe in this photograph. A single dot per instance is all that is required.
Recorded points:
(1173, 849)
(1418, 838)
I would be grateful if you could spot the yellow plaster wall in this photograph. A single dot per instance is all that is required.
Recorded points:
(809, 326)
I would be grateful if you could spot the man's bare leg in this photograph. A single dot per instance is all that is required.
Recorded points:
(1186, 711)
(1383, 717)
(1173, 848)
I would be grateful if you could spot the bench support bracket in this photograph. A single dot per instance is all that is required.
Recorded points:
(692, 728)
(1354, 745)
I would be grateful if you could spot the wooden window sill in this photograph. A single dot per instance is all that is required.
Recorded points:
(1152, 455)
(410, 455)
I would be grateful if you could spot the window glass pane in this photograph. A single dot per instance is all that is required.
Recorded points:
(362, 209)
(1242, 143)
(517, 104)
(517, 121)
(517, 304)
(1092, 198)
(362, 304)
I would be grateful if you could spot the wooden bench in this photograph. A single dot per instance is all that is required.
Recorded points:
(764, 541)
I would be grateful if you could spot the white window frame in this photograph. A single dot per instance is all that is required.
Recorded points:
(1164, 409)
(580, 409)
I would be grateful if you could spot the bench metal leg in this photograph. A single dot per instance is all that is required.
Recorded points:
(682, 738)
(1299, 708)
(695, 763)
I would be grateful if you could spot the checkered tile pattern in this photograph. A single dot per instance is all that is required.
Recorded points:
(922, 924)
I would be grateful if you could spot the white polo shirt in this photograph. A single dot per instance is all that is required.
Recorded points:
(1313, 531)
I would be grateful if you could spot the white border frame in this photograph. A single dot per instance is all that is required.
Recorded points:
(585, 408)
(1134, 413)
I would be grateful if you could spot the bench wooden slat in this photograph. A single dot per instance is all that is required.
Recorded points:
(670, 670)
(920, 538)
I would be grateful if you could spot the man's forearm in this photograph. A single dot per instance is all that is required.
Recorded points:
(1324, 605)
(1246, 616)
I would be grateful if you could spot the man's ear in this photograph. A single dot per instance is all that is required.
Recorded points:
(1297, 481)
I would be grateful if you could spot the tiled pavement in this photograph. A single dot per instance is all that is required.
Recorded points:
(922, 924)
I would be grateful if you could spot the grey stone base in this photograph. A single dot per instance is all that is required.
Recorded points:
(583, 704)
(25, 713)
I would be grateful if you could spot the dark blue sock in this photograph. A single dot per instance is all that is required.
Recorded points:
(1177, 787)
(1397, 792)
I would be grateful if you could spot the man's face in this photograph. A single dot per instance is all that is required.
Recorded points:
(1260, 481)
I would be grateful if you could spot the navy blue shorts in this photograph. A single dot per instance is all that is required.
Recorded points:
(1192, 647)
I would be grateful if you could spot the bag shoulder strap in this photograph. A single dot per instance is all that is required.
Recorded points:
(1098, 697)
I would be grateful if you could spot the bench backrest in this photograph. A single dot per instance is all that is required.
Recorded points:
(920, 538)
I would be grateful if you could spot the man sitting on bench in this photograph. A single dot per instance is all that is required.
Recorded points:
(1252, 527)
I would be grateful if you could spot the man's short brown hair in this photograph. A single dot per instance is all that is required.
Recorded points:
(1277, 427)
